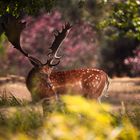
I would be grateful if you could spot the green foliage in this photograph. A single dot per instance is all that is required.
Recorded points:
(31, 7)
(77, 118)
(2, 42)
(82, 10)
(120, 36)
(125, 18)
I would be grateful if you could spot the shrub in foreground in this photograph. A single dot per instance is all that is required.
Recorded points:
(77, 118)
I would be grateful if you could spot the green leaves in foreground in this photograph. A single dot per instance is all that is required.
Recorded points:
(77, 118)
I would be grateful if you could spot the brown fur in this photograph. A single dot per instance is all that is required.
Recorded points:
(46, 83)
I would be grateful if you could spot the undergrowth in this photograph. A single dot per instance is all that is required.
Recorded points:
(71, 118)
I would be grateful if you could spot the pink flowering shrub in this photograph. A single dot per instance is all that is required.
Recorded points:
(78, 48)
(134, 62)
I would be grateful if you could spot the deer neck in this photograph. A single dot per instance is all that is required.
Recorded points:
(36, 82)
(32, 76)
(32, 81)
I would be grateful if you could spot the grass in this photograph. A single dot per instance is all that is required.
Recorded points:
(9, 101)
(133, 113)
(7, 98)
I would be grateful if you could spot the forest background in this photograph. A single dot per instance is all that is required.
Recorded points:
(105, 34)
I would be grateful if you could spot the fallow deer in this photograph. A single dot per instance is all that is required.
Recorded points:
(45, 82)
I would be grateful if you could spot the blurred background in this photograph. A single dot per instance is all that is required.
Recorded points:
(105, 34)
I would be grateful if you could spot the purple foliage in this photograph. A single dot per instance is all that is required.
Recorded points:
(78, 49)
(134, 62)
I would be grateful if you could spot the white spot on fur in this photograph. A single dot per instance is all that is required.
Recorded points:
(96, 77)
(85, 80)
(80, 84)
(94, 85)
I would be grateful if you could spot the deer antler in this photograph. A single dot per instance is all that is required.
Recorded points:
(59, 37)
(9, 23)
(13, 27)
(12, 33)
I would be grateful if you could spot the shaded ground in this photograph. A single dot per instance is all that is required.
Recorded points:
(120, 89)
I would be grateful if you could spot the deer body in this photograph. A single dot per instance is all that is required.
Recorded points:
(44, 83)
